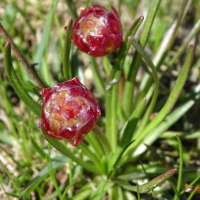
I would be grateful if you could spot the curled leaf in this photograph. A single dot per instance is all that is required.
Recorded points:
(147, 187)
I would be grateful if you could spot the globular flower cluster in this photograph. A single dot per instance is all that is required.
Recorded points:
(97, 31)
(69, 111)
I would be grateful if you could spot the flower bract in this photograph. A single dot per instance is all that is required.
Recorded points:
(97, 31)
(69, 111)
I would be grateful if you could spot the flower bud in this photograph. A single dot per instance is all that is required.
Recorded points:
(69, 111)
(97, 31)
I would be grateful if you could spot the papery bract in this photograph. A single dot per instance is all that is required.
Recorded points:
(69, 111)
(97, 31)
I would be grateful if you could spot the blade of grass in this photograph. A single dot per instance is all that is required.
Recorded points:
(2, 187)
(192, 183)
(52, 173)
(63, 149)
(170, 102)
(91, 155)
(9, 175)
(96, 145)
(112, 87)
(127, 103)
(103, 139)
(127, 134)
(42, 48)
(37, 148)
(33, 75)
(175, 190)
(193, 192)
(66, 51)
(180, 170)
(72, 8)
(21, 92)
(70, 177)
(163, 49)
(65, 192)
(147, 59)
(172, 118)
(58, 162)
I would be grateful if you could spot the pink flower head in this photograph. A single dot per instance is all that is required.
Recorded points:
(97, 31)
(69, 111)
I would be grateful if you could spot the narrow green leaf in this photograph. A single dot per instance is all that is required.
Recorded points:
(37, 148)
(193, 192)
(96, 145)
(72, 8)
(103, 139)
(112, 86)
(44, 41)
(66, 51)
(65, 192)
(21, 92)
(175, 190)
(63, 149)
(149, 62)
(138, 192)
(127, 103)
(9, 175)
(180, 170)
(90, 154)
(58, 162)
(192, 183)
(129, 127)
(147, 187)
(177, 88)
(52, 172)
(163, 49)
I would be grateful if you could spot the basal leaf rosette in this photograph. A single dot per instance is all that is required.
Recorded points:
(69, 111)
(97, 31)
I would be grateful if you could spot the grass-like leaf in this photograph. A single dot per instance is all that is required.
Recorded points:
(177, 88)
(21, 92)
(147, 187)
(112, 86)
(66, 51)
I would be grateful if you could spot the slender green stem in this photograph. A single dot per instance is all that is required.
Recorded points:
(66, 51)
(138, 192)
(21, 92)
(147, 59)
(98, 79)
(180, 170)
(112, 87)
(69, 187)
(175, 190)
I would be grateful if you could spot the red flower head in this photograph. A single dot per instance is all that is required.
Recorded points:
(69, 111)
(97, 31)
